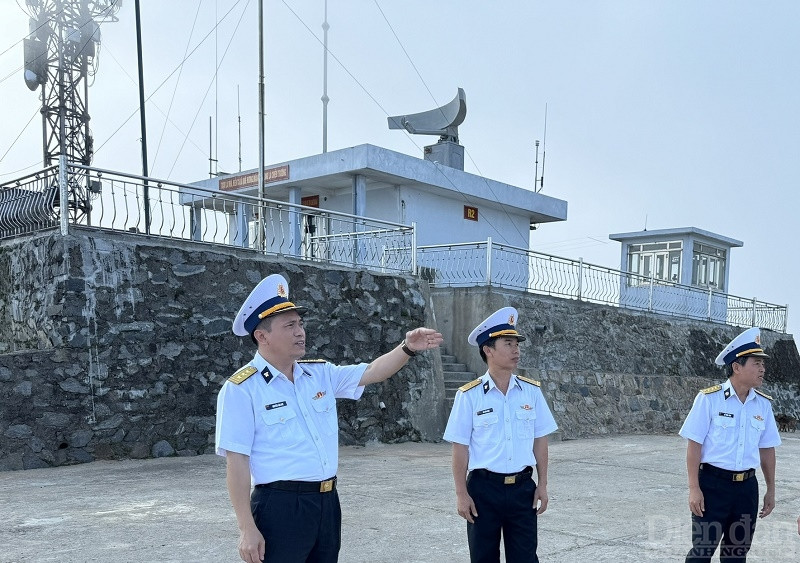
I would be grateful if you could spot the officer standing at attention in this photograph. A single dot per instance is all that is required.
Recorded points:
(278, 429)
(730, 429)
(499, 426)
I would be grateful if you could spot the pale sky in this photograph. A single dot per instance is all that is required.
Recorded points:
(660, 113)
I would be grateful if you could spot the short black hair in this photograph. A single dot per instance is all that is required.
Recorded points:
(741, 361)
(490, 343)
(264, 324)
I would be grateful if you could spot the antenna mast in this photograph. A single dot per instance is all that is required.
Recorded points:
(544, 152)
(239, 113)
(60, 54)
(325, 99)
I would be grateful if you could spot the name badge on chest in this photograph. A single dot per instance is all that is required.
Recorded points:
(275, 405)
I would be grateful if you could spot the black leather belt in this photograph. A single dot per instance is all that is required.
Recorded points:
(505, 478)
(727, 475)
(302, 486)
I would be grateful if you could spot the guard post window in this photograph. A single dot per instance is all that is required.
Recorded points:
(708, 266)
(657, 260)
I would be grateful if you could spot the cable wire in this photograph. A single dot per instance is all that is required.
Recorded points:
(175, 90)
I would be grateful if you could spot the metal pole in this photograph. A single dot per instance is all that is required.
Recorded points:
(708, 307)
(143, 120)
(650, 297)
(489, 261)
(63, 194)
(414, 248)
(786, 319)
(580, 268)
(262, 239)
(239, 113)
(753, 314)
(325, 98)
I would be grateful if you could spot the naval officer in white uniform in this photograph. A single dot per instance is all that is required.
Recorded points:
(278, 429)
(731, 430)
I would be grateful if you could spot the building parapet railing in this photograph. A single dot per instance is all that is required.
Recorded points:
(135, 204)
(495, 264)
(125, 202)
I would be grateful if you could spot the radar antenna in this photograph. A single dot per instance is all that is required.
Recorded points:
(442, 121)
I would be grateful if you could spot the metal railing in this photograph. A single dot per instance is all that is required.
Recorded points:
(494, 264)
(122, 202)
(29, 204)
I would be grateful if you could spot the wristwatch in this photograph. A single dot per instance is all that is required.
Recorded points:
(407, 350)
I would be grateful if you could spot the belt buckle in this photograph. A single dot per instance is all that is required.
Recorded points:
(738, 477)
(509, 479)
(326, 486)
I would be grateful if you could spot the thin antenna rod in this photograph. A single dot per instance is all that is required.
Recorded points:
(544, 150)
(261, 191)
(325, 99)
(216, 84)
(239, 112)
(536, 166)
(210, 149)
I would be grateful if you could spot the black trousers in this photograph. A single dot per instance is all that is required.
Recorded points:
(298, 527)
(729, 517)
(506, 509)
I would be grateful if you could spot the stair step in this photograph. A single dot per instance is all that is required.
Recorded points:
(447, 366)
(454, 384)
(465, 375)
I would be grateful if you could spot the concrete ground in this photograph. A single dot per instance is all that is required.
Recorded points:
(614, 499)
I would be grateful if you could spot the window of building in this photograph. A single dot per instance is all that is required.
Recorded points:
(708, 266)
(657, 260)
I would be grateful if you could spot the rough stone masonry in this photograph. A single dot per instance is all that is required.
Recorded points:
(115, 346)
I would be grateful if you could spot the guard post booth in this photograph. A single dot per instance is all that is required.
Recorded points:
(682, 271)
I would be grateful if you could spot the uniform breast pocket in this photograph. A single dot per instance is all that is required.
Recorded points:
(722, 425)
(525, 423)
(325, 412)
(756, 429)
(483, 427)
(282, 426)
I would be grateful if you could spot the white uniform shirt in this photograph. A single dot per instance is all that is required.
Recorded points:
(499, 429)
(730, 431)
(289, 430)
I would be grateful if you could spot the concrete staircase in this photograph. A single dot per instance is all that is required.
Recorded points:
(455, 375)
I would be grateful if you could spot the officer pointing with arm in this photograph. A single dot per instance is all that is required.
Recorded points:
(278, 429)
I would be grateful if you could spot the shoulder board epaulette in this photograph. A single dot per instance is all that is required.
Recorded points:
(529, 380)
(712, 389)
(242, 374)
(470, 385)
(763, 394)
(311, 361)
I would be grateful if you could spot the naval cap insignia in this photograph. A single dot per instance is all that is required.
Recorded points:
(281, 290)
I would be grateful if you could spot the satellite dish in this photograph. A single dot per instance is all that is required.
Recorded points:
(443, 121)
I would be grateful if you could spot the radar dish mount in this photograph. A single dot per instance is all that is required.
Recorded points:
(442, 121)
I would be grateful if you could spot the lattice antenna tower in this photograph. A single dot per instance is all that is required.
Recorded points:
(61, 53)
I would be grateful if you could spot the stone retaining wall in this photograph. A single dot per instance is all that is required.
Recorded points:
(115, 346)
(609, 370)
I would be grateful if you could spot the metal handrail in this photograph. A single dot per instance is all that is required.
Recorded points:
(118, 202)
(505, 266)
